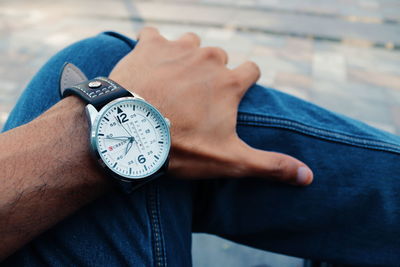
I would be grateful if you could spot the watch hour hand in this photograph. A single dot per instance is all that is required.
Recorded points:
(129, 145)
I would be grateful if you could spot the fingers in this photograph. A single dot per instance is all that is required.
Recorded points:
(214, 53)
(246, 74)
(150, 34)
(274, 166)
(189, 39)
(242, 77)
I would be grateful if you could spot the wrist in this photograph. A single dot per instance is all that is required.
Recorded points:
(47, 173)
(68, 124)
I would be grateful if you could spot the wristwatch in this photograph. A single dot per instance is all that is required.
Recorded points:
(129, 137)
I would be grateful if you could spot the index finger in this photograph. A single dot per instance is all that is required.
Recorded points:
(149, 33)
(247, 74)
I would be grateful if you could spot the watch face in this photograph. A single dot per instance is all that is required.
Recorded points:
(132, 138)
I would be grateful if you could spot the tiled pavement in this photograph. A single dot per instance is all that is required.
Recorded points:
(341, 54)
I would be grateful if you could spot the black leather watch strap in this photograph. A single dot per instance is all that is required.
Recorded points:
(98, 91)
(130, 186)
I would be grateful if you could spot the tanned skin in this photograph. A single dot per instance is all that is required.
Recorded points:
(46, 168)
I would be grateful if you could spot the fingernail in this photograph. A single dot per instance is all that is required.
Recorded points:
(304, 175)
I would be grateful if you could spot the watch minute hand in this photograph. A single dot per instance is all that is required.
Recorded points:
(117, 119)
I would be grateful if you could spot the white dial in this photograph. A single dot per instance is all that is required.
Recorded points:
(132, 138)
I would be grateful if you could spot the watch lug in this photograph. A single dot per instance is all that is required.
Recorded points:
(137, 96)
(91, 113)
(168, 122)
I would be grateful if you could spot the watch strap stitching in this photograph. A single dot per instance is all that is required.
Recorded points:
(107, 91)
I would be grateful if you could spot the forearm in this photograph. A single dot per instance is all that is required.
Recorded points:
(47, 173)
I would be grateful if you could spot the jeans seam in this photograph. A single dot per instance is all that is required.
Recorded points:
(325, 134)
(129, 42)
(162, 241)
(159, 250)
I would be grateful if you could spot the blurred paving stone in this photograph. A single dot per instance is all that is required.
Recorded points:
(390, 128)
(280, 65)
(236, 59)
(329, 27)
(267, 78)
(351, 90)
(3, 118)
(396, 117)
(268, 40)
(239, 43)
(264, 51)
(227, 253)
(364, 8)
(329, 66)
(292, 79)
(372, 61)
(356, 108)
(393, 97)
(296, 91)
(375, 78)
(220, 34)
(298, 49)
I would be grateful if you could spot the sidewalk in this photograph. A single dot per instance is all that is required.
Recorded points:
(342, 55)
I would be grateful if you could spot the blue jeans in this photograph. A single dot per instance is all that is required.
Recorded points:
(350, 214)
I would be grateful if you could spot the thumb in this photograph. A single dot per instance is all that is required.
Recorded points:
(274, 166)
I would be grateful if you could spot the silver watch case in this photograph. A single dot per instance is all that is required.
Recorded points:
(93, 118)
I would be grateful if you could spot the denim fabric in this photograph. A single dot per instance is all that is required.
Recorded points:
(350, 214)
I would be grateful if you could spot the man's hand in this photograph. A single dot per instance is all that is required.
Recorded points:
(193, 88)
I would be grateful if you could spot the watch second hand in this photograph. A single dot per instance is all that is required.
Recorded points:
(134, 127)
(123, 127)
(137, 145)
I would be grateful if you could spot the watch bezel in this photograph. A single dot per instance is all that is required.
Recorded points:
(94, 123)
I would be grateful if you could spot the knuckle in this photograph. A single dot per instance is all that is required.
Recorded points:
(193, 36)
(185, 43)
(155, 38)
(278, 167)
(149, 28)
(235, 81)
(211, 53)
(152, 34)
